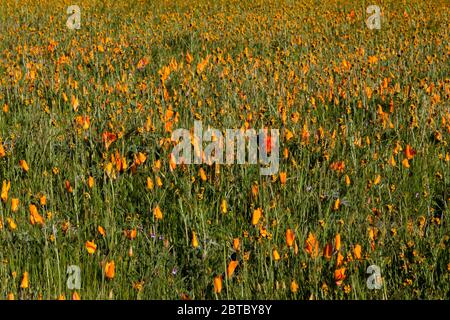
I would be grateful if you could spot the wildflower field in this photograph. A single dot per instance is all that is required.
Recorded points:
(94, 207)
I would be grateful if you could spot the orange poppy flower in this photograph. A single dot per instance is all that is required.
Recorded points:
(231, 267)
(312, 245)
(218, 284)
(409, 152)
(283, 178)
(328, 251)
(91, 182)
(405, 163)
(290, 237)
(24, 165)
(337, 204)
(347, 180)
(131, 234)
(357, 251)
(202, 174)
(158, 213)
(68, 186)
(75, 296)
(5, 189)
(140, 158)
(35, 217)
(339, 276)
(236, 244)
(91, 247)
(110, 271)
(255, 190)
(223, 206)
(43, 200)
(339, 259)
(150, 183)
(256, 216)
(294, 286)
(276, 255)
(172, 162)
(101, 230)
(24, 283)
(108, 138)
(14, 204)
(194, 240)
(142, 63)
(11, 224)
(338, 166)
(337, 242)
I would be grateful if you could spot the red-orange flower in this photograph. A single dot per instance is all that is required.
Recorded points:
(231, 267)
(339, 276)
(338, 166)
(409, 152)
(312, 245)
(290, 237)
(108, 138)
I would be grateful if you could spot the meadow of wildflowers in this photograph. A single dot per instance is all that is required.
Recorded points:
(94, 206)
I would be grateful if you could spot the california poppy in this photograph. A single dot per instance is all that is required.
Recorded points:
(194, 240)
(131, 234)
(14, 204)
(110, 270)
(68, 186)
(24, 165)
(338, 166)
(11, 224)
(24, 283)
(339, 259)
(75, 296)
(43, 200)
(101, 230)
(290, 237)
(158, 213)
(172, 162)
(283, 178)
(256, 216)
(149, 183)
(357, 251)
(108, 138)
(231, 267)
(294, 286)
(202, 174)
(339, 276)
(328, 251)
(236, 244)
(5, 189)
(409, 152)
(223, 206)
(91, 182)
(312, 245)
(405, 163)
(218, 284)
(91, 247)
(337, 242)
(276, 255)
(35, 217)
